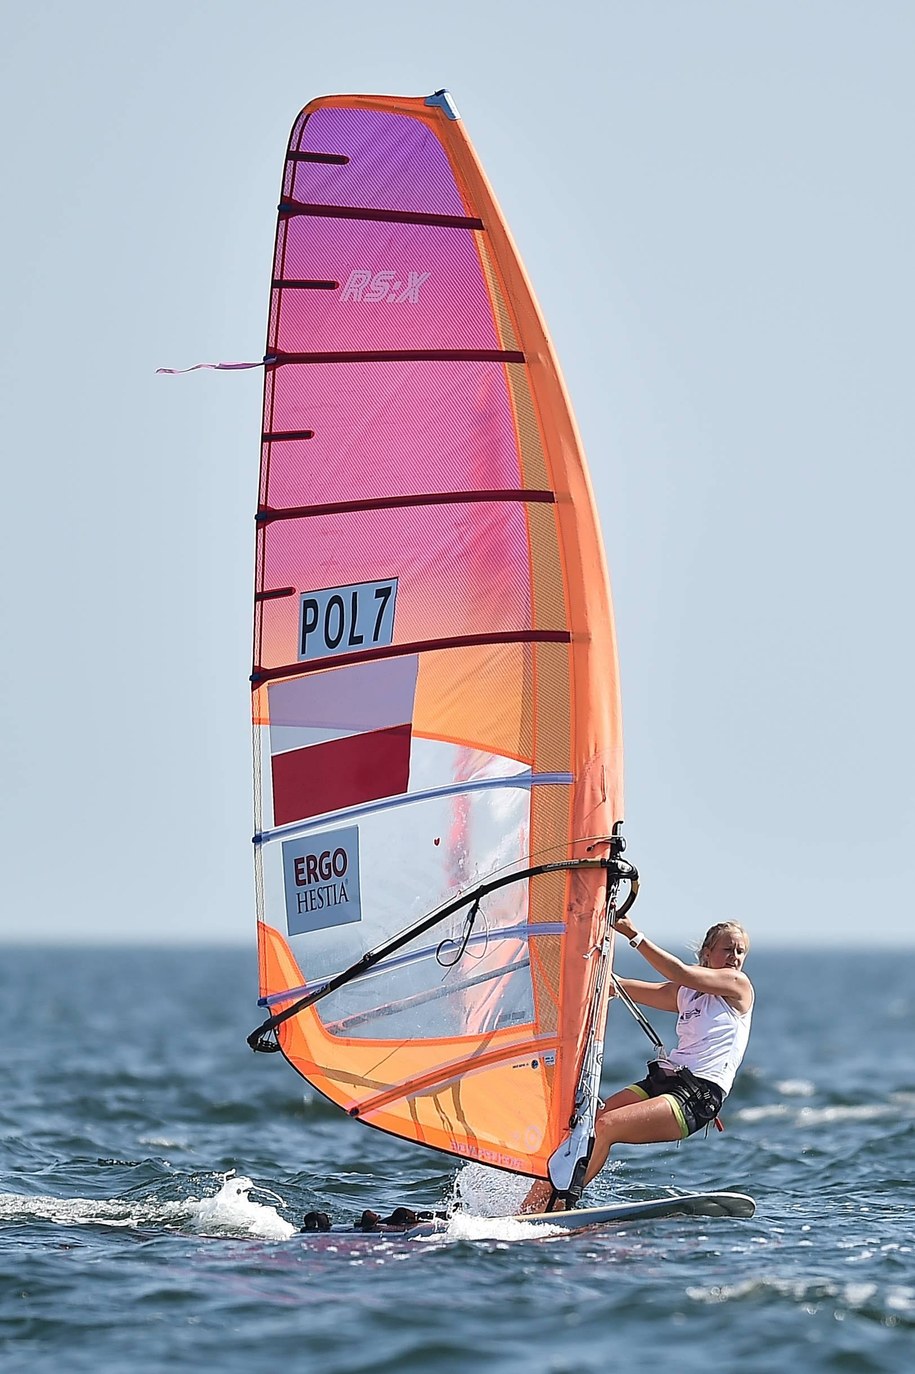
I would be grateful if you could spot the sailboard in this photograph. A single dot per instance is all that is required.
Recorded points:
(423, 1225)
(435, 687)
(648, 1209)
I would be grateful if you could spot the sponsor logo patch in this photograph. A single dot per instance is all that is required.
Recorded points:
(321, 880)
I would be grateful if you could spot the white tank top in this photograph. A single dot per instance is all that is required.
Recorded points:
(711, 1037)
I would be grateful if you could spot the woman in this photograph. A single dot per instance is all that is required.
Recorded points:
(683, 1092)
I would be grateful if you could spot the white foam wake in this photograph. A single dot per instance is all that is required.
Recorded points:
(483, 1192)
(464, 1226)
(231, 1211)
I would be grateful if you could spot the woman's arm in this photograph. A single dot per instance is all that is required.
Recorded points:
(729, 983)
(661, 996)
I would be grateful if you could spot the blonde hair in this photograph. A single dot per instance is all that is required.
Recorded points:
(713, 933)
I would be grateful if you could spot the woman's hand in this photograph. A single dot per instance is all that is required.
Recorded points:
(625, 927)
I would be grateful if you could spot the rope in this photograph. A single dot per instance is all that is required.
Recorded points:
(643, 1021)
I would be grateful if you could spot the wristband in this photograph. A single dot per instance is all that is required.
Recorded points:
(637, 940)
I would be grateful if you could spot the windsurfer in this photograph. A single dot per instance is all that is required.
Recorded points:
(683, 1091)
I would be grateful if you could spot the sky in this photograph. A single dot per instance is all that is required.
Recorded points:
(714, 201)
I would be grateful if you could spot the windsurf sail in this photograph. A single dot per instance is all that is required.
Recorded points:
(436, 709)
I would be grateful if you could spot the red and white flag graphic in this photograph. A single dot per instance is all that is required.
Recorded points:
(341, 737)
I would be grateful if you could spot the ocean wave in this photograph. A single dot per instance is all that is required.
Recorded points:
(889, 1304)
(796, 1087)
(899, 1108)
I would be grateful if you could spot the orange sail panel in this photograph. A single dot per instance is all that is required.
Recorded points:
(435, 688)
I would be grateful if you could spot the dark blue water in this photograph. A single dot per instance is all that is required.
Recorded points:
(128, 1243)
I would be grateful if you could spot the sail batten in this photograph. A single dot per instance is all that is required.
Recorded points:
(290, 208)
(379, 970)
(429, 498)
(261, 674)
(434, 687)
(524, 780)
(445, 1077)
(399, 355)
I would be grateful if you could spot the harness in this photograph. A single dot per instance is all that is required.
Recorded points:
(705, 1100)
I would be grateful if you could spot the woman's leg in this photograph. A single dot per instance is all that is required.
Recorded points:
(640, 1122)
(539, 1195)
(538, 1198)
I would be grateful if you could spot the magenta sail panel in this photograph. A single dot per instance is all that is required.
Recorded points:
(390, 386)
(462, 570)
(398, 286)
(393, 163)
(460, 437)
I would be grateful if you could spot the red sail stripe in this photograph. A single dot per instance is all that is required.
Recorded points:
(339, 773)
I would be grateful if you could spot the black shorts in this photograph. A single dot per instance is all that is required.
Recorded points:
(696, 1101)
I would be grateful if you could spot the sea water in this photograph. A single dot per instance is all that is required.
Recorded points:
(154, 1174)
